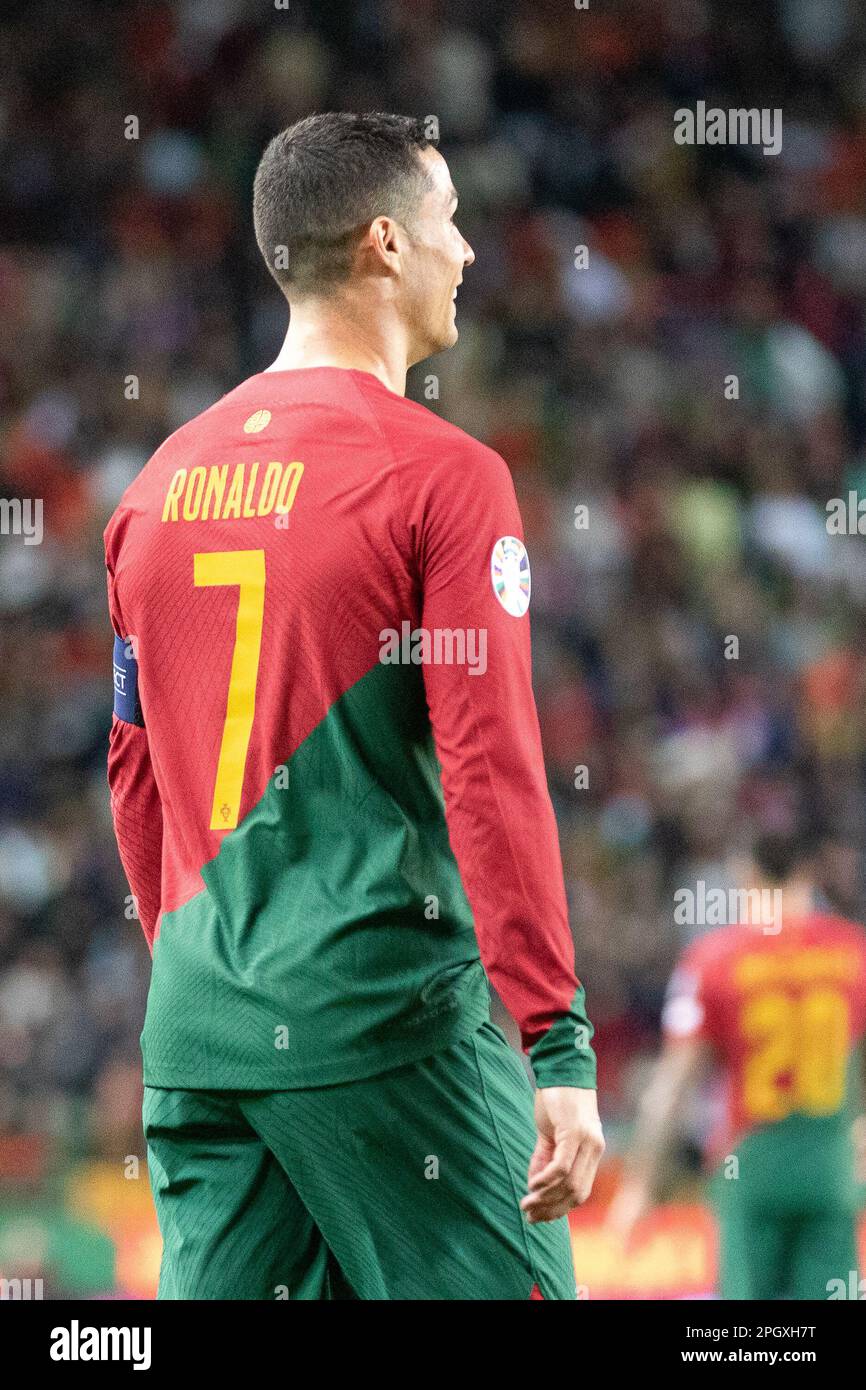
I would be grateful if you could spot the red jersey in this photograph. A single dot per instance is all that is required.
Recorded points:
(782, 1011)
(319, 594)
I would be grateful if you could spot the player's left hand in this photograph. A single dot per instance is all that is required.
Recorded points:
(567, 1153)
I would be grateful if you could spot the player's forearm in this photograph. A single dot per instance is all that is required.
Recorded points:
(650, 1145)
(136, 812)
(504, 836)
(660, 1112)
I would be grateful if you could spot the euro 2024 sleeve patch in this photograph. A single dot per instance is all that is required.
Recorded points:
(510, 576)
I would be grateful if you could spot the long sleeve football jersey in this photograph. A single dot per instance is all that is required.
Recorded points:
(325, 764)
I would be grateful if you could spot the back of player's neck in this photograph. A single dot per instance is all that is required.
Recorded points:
(331, 340)
(298, 363)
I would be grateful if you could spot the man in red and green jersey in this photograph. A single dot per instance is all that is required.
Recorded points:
(777, 1001)
(319, 592)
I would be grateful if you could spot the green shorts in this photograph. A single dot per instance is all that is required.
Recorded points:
(785, 1255)
(405, 1185)
(787, 1221)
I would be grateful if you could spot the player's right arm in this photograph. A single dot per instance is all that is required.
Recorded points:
(685, 1059)
(136, 808)
(500, 818)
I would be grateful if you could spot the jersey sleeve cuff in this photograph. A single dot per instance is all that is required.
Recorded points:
(564, 1056)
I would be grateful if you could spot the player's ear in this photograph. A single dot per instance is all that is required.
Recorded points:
(386, 241)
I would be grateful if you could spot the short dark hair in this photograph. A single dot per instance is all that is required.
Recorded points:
(780, 855)
(322, 181)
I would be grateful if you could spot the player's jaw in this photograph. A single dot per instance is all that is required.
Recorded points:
(447, 316)
(438, 256)
(438, 280)
(453, 279)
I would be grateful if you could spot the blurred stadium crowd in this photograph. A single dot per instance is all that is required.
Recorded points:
(133, 297)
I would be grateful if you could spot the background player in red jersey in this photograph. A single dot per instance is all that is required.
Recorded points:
(778, 1003)
(328, 1106)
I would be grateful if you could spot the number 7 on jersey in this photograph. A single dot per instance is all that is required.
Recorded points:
(246, 569)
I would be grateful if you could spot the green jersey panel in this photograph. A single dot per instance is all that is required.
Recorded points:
(307, 960)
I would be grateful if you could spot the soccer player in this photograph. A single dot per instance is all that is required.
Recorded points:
(328, 791)
(778, 1004)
